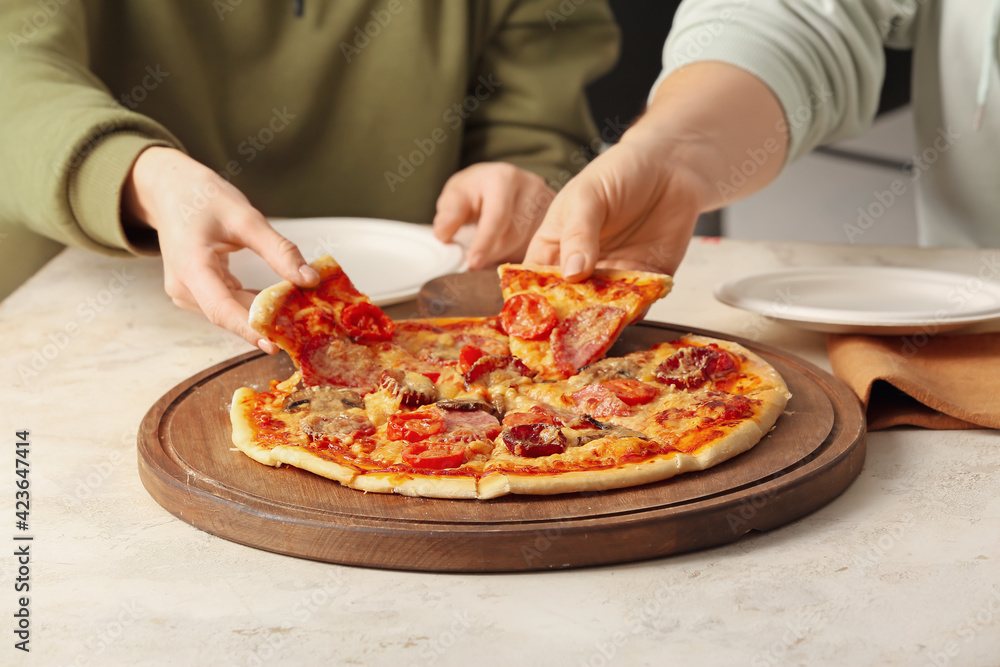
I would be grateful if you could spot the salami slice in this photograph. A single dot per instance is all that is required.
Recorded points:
(599, 401)
(329, 360)
(468, 426)
(583, 337)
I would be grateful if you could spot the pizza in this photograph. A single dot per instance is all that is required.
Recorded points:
(524, 402)
(558, 327)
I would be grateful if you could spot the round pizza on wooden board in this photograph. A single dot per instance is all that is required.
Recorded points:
(523, 402)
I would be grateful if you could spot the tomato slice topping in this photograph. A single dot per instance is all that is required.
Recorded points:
(414, 426)
(631, 392)
(366, 323)
(469, 355)
(527, 316)
(433, 456)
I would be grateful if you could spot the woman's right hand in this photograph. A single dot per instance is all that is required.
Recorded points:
(200, 218)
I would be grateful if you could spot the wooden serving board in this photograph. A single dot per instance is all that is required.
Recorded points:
(189, 466)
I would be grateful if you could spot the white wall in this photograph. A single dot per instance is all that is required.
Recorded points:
(817, 198)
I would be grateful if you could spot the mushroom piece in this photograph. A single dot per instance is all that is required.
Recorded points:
(465, 405)
(610, 429)
(413, 389)
(605, 369)
(323, 399)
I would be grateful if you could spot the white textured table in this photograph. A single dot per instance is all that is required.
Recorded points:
(902, 569)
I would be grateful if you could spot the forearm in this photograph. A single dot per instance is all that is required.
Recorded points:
(693, 122)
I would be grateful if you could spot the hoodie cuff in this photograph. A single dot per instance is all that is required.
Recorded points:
(95, 192)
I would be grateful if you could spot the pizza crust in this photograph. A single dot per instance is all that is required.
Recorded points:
(428, 486)
(653, 470)
(243, 434)
(300, 457)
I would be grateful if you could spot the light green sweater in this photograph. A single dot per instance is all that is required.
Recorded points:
(356, 108)
(824, 61)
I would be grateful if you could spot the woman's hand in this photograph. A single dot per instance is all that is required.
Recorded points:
(200, 218)
(507, 202)
(628, 209)
(635, 205)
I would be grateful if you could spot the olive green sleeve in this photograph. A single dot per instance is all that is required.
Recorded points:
(69, 145)
(529, 87)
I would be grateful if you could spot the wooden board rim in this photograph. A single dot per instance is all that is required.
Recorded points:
(837, 461)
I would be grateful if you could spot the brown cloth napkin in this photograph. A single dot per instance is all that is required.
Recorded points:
(940, 382)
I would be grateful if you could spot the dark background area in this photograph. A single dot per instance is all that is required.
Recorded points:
(645, 23)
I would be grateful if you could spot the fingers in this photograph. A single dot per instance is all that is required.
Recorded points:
(570, 233)
(456, 206)
(496, 214)
(204, 289)
(281, 254)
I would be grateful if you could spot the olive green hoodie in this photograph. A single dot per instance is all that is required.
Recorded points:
(355, 107)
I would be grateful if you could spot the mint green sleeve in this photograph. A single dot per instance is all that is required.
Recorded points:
(823, 59)
(539, 61)
(68, 145)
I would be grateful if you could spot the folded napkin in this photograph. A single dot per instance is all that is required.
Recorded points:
(940, 382)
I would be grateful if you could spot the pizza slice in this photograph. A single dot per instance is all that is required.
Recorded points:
(374, 404)
(301, 320)
(557, 327)
(685, 405)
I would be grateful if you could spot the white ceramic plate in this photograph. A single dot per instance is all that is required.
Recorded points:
(387, 260)
(866, 299)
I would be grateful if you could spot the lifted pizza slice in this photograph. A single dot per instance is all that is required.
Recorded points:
(557, 327)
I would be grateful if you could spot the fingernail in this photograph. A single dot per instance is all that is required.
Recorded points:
(308, 273)
(267, 346)
(475, 260)
(574, 265)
